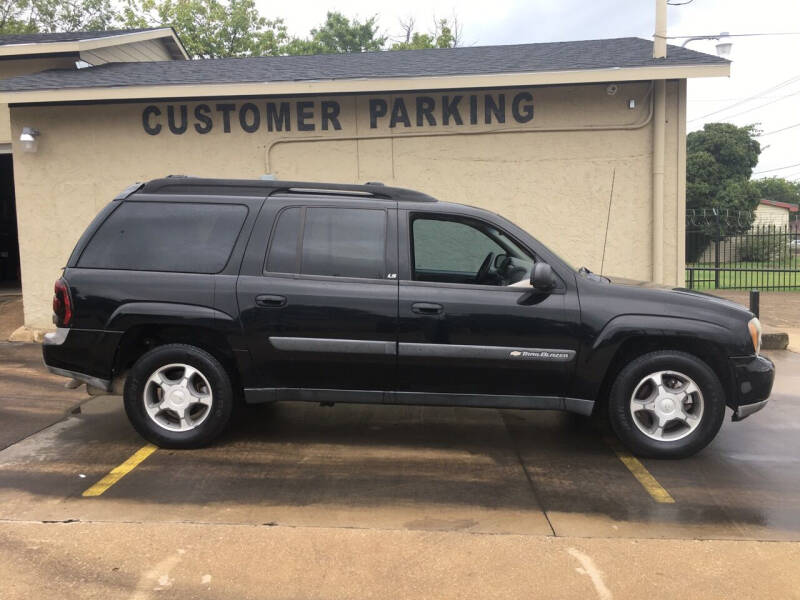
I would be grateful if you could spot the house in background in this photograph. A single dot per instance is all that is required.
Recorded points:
(772, 212)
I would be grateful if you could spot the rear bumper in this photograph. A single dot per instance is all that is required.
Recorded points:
(753, 378)
(85, 355)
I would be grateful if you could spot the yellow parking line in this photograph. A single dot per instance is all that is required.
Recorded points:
(119, 472)
(643, 476)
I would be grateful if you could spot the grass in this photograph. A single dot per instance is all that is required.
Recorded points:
(755, 275)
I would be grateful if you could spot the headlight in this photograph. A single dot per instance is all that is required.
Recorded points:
(755, 334)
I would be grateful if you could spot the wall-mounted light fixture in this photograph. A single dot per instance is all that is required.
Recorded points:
(29, 140)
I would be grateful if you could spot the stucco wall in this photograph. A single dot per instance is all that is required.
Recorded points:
(551, 174)
(23, 66)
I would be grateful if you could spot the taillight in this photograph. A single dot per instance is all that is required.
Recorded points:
(62, 304)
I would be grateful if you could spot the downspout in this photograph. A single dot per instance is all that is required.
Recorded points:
(659, 137)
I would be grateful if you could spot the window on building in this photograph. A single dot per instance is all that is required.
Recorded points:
(183, 237)
(455, 250)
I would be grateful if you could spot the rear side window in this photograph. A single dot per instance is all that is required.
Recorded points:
(338, 242)
(283, 248)
(185, 237)
(344, 242)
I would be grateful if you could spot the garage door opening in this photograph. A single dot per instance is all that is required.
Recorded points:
(9, 241)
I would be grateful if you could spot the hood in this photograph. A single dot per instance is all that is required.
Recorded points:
(676, 290)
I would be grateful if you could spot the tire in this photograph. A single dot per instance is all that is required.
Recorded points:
(689, 419)
(156, 397)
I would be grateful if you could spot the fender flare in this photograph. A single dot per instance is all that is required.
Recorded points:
(598, 358)
(132, 314)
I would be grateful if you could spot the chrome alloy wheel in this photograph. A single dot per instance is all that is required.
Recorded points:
(177, 397)
(666, 406)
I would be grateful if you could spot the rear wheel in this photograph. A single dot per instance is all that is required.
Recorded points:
(178, 396)
(666, 404)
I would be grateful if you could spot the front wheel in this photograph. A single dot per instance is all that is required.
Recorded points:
(666, 404)
(178, 396)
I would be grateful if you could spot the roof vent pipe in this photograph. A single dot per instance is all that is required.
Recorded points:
(660, 36)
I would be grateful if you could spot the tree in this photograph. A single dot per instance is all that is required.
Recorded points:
(443, 35)
(719, 162)
(776, 188)
(48, 16)
(212, 28)
(340, 35)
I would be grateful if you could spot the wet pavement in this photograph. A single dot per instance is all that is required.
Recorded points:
(31, 399)
(415, 477)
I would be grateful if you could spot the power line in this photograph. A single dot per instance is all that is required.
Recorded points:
(717, 35)
(749, 98)
(743, 112)
(776, 169)
(779, 130)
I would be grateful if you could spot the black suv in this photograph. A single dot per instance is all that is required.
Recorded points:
(189, 295)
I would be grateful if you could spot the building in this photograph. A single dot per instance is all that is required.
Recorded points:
(25, 54)
(774, 213)
(582, 143)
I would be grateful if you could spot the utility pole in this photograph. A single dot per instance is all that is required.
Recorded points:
(660, 37)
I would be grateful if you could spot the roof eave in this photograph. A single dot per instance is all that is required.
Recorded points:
(365, 85)
(32, 49)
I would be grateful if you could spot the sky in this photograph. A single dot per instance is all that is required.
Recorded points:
(760, 63)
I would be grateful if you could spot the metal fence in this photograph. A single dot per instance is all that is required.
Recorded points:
(739, 250)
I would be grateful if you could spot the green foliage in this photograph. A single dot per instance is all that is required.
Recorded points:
(442, 36)
(212, 28)
(719, 162)
(763, 246)
(215, 28)
(776, 188)
(47, 16)
(340, 35)
(734, 149)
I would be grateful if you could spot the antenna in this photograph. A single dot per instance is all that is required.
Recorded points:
(608, 218)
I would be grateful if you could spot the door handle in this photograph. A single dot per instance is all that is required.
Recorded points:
(427, 308)
(270, 300)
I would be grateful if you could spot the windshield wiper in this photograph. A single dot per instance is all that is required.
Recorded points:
(593, 276)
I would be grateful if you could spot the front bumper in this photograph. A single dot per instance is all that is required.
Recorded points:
(753, 377)
(85, 355)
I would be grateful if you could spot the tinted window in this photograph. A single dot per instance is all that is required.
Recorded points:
(162, 236)
(450, 246)
(345, 242)
(283, 247)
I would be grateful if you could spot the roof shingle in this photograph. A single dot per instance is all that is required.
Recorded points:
(75, 36)
(520, 58)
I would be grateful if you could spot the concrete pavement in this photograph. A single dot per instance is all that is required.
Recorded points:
(30, 397)
(88, 561)
(303, 501)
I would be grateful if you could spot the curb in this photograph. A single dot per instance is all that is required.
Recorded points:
(774, 340)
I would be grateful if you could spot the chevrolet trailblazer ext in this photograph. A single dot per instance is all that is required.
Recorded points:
(200, 292)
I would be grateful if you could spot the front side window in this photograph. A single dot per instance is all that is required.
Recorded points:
(337, 242)
(461, 250)
(180, 237)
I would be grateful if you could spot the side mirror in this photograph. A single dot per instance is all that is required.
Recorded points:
(542, 277)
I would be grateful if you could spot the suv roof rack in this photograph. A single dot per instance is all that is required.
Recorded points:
(181, 184)
(131, 189)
